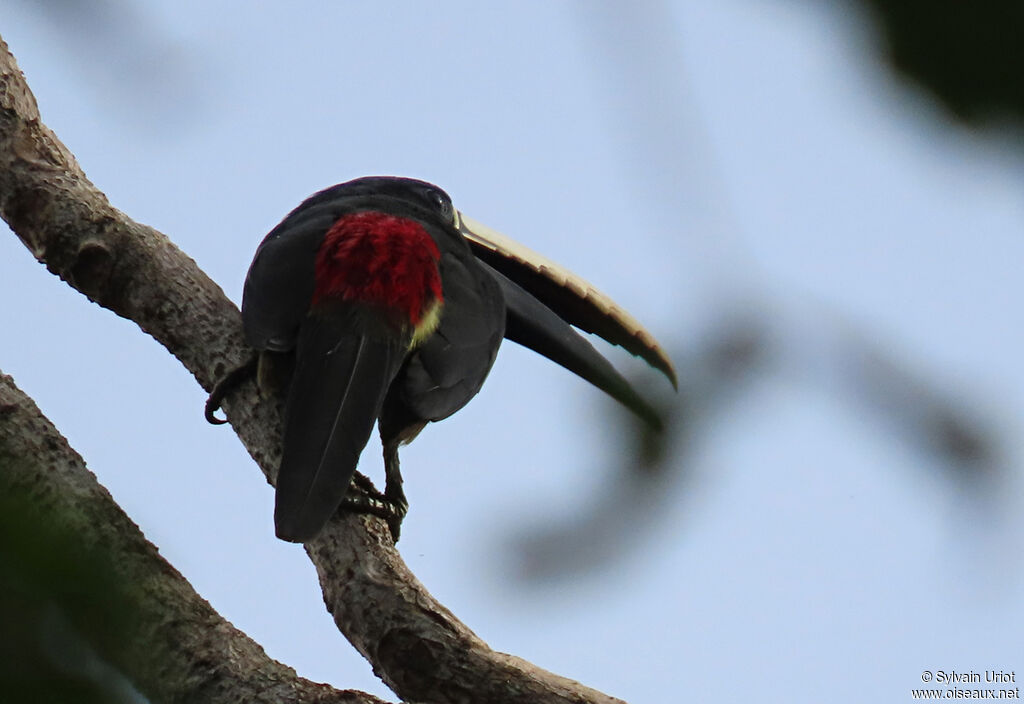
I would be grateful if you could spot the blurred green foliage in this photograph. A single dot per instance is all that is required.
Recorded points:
(967, 53)
(60, 608)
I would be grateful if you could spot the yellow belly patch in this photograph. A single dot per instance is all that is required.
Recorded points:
(427, 325)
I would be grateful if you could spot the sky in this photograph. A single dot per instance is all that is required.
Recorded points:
(703, 163)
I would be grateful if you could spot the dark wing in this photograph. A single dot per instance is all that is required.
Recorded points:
(532, 324)
(448, 369)
(279, 285)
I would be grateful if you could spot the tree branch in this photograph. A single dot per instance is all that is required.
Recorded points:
(415, 645)
(182, 650)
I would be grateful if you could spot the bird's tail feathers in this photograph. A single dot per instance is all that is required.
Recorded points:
(335, 397)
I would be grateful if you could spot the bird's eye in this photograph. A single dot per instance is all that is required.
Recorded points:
(443, 204)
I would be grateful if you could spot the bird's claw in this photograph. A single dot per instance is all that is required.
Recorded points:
(225, 386)
(396, 499)
(363, 497)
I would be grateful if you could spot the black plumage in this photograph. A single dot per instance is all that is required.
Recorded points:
(349, 362)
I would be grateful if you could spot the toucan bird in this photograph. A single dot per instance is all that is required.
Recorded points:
(376, 302)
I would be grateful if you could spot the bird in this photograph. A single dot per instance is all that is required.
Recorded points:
(375, 301)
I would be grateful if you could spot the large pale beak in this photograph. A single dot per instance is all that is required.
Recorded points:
(571, 297)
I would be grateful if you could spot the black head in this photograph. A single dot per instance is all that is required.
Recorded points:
(392, 194)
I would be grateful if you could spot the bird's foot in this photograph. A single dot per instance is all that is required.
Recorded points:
(226, 385)
(363, 497)
(401, 504)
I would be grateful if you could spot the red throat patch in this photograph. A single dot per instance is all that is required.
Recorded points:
(372, 257)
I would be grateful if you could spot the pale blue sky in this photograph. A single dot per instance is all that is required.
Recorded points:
(734, 156)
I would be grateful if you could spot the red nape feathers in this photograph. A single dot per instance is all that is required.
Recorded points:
(372, 257)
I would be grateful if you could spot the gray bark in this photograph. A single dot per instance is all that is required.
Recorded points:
(181, 649)
(414, 644)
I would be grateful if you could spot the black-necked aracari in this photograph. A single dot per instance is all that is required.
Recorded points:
(375, 301)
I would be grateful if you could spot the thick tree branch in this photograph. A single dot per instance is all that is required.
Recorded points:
(190, 653)
(414, 644)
